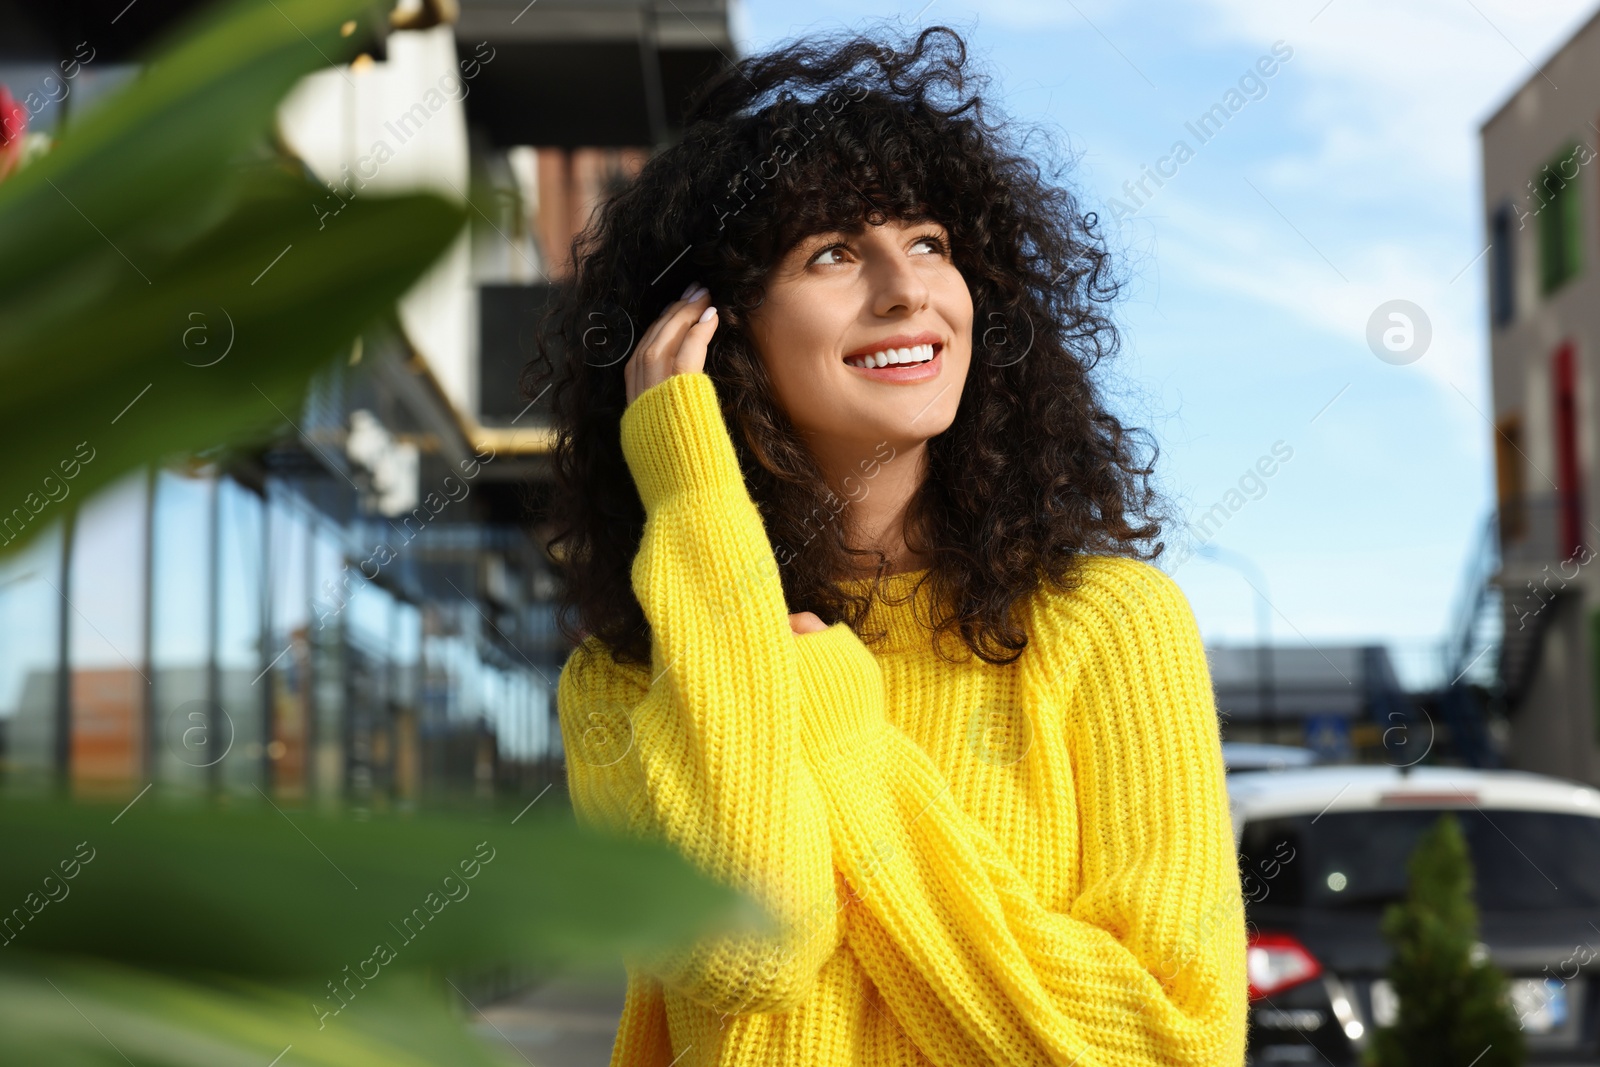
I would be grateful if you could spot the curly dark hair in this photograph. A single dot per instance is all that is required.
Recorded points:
(826, 135)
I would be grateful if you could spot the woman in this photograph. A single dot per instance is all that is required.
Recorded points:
(866, 630)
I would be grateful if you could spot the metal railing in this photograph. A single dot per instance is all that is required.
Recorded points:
(1539, 529)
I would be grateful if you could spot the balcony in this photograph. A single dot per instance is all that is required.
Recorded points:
(1540, 531)
(1545, 542)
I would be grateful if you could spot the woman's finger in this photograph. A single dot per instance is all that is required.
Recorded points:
(691, 357)
(654, 329)
(806, 622)
(633, 370)
(649, 349)
(657, 357)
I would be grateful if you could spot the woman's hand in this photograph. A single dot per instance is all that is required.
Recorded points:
(674, 344)
(806, 622)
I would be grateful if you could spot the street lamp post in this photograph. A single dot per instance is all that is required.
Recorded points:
(1246, 568)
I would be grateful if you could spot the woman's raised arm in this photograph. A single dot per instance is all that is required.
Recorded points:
(703, 750)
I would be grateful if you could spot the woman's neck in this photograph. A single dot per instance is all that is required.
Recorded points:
(878, 492)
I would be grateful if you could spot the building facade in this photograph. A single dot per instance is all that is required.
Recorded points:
(1542, 207)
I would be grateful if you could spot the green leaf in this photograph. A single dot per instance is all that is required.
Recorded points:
(85, 1013)
(141, 248)
(269, 892)
(141, 169)
(206, 356)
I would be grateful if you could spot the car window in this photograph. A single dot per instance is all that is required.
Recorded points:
(1521, 860)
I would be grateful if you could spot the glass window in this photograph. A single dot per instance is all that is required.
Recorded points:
(1521, 860)
(449, 663)
(407, 659)
(1560, 229)
(241, 580)
(369, 614)
(289, 649)
(332, 583)
(500, 709)
(180, 635)
(289, 533)
(30, 658)
(368, 619)
(515, 694)
(543, 711)
(407, 653)
(1502, 266)
(106, 636)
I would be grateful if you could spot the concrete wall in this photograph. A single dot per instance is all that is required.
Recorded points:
(1559, 105)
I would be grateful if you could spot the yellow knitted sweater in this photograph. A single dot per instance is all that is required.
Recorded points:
(966, 863)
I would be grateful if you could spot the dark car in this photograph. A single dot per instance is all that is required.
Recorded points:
(1324, 849)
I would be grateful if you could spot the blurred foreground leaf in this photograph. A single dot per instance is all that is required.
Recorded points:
(85, 1013)
(147, 244)
(278, 894)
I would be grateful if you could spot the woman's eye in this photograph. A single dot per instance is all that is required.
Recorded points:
(938, 244)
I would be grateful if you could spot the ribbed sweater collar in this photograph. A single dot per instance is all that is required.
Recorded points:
(896, 610)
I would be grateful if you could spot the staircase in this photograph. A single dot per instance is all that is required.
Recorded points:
(1499, 628)
(1474, 652)
(1523, 640)
(1539, 560)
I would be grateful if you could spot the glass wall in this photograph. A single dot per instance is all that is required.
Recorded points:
(30, 617)
(106, 627)
(326, 642)
(407, 679)
(369, 621)
(210, 636)
(241, 659)
(190, 735)
(289, 530)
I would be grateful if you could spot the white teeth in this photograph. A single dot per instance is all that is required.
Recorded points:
(915, 354)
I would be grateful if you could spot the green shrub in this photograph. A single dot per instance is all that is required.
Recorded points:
(1454, 1009)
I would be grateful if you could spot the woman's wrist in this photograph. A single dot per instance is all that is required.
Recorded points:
(676, 443)
(842, 711)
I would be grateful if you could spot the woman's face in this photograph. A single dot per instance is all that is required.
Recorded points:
(837, 298)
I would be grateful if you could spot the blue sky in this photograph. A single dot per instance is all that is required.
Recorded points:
(1350, 177)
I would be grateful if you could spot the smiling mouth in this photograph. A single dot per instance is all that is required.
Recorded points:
(895, 357)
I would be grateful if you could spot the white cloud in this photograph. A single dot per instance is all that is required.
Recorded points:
(1378, 168)
(1403, 88)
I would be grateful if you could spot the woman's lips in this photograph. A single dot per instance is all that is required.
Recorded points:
(905, 372)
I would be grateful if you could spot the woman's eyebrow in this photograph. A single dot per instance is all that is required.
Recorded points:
(817, 237)
(827, 235)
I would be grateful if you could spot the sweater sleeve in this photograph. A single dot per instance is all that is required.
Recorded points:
(702, 750)
(1147, 966)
